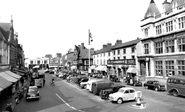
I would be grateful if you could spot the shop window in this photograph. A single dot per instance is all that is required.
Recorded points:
(181, 44)
(146, 47)
(159, 68)
(170, 46)
(181, 67)
(169, 68)
(159, 47)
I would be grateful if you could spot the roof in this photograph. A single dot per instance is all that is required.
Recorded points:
(152, 10)
(125, 88)
(8, 77)
(103, 50)
(5, 29)
(2, 36)
(4, 83)
(168, 5)
(178, 2)
(126, 44)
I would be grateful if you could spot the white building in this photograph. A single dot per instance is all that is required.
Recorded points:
(162, 50)
(101, 56)
(36, 62)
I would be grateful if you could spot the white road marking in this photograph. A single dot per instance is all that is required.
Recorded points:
(68, 104)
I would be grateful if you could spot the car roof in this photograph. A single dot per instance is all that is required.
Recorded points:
(30, 87)
(126, 88)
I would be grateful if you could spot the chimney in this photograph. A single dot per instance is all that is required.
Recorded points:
(118, 42)
(104, 46)
(109, 44)
(92, 49)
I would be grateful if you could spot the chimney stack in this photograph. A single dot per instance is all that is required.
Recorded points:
(118, 42)
(109, 44)
(104, 46)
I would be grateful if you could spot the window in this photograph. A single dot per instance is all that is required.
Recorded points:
(104, 62)
(181, 21)
(114, 58)
(181, 67)
(159, 47)
(169, 26)
(146, 32)
(118, 52)
(170, 46)
(45, 61)
(31, 62)
(158, 30)
(97, 62)
(108, 53)
(181, 44)
(133, 57)
(104, 54)
(124, 57)
(118, 58)
(146, 47)
(132, 91)
(159, 68)
(38, 62)
(169, 68)
(114, 52)
(133, 49)
(124, 51)
(127, 91)
(1, 59)
(97, 55)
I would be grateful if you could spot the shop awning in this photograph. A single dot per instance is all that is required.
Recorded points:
(7, 77)
(20, 73)
(132, 70)
(13, 74)
(93, 67)
(4, 83)
(101, 68)
(73, 67)
(1, 89)
(36, 67)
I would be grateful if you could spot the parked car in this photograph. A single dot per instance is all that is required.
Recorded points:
(114, 78)
(89, 84)
(32, 93)
(134, 83)
(84, 79)
(154, 84)
(100, 85)
(125, 94)
(104, 94)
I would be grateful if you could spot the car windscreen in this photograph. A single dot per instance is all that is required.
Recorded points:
(121, 90)
(32, 90)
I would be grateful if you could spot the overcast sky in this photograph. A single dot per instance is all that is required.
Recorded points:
(51, 26)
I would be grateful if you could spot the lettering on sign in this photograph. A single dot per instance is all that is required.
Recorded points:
(121, 61)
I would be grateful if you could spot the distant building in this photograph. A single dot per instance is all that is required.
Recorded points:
(37, 62)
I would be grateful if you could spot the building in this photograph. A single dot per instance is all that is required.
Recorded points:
(124, 57)
(162, 50)
(70, 59)
(20, 55)
(81, 57)
(39, 62)
(100, 58)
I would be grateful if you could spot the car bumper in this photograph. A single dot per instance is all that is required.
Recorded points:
(111, 99)
(32, 97)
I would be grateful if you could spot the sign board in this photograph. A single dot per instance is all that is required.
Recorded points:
(121, 62)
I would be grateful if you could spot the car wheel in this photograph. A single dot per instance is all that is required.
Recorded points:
(156, 89)
(175, 93)
(146, 87)
(119, 101)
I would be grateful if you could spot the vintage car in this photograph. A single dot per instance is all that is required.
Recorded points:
(104, 94)
(154, 84)
(32, 93)
(125, 94)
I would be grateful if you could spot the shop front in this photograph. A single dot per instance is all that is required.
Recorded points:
(119, 67)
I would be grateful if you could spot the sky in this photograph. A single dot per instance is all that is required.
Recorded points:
(55, 26)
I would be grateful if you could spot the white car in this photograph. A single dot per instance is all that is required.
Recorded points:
(125, 94)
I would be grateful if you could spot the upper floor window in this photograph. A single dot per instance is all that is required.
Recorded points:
(114, 58)
(169, 26)
(97, 55)
(133, 57)
(133, 49)
(118, 52)
(97, 62)
(108, 53)
(181, 44)
(146, 47)
(38, 62)
(45, 61)
(159, 47)
(104, 54)
(169, 46)
(146, 32)
(124, 57)
(31, 62)
(124, 51)
(114, 52)
(118, 58)
(181, 21)
(158, 30)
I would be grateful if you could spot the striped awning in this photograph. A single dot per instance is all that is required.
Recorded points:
(8, 77)
(13, 74)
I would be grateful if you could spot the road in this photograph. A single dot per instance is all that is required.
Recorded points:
(68, 97)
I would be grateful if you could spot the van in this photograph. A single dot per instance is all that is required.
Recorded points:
(101, 85)
(89, 84)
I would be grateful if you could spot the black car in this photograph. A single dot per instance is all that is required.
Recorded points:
(154, 84)
(114, 78)
(134, 83)
(104, 94)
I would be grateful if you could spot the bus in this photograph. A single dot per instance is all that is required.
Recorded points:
(176, 85)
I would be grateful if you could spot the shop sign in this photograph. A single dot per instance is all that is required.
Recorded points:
(121, 61)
